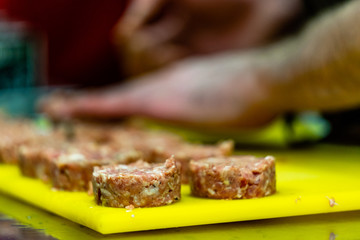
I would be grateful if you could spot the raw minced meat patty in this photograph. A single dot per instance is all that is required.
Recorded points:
(233, 177)
(137, 185)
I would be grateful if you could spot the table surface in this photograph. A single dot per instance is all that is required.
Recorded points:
(31, 221)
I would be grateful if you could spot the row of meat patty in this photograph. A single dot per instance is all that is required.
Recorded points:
(125, 166)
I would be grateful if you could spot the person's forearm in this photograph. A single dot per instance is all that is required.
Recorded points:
(320, 68)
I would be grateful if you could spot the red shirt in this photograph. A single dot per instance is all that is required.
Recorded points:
(78, 33)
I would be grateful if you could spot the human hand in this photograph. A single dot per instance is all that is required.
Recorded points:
(154, 33)
(219, 91)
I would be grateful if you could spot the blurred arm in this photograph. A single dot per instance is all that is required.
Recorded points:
(320, 68)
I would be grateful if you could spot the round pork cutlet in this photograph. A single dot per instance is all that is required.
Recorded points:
(137, 185)
(233, 177)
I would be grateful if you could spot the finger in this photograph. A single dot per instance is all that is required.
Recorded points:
(138, 12)
(144, 60)
(151, 46)
(112, 102)
(100, 104)
(165, 29)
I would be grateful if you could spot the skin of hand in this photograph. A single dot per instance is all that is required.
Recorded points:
(221, 91)
(154, 33)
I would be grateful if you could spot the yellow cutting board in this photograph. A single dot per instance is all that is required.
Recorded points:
(318, 180)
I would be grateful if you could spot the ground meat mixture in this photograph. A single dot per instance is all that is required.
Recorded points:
(73, 169)
(17, 134)
(34, 160)
(66, 155)
(149, 143)
(196, 151)
(14, 135)
(233, 177)
(69, 166)
(186, 152)
(137, 185)
(157, 146)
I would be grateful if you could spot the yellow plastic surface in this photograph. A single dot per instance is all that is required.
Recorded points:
(307, 182)
(342, 225)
